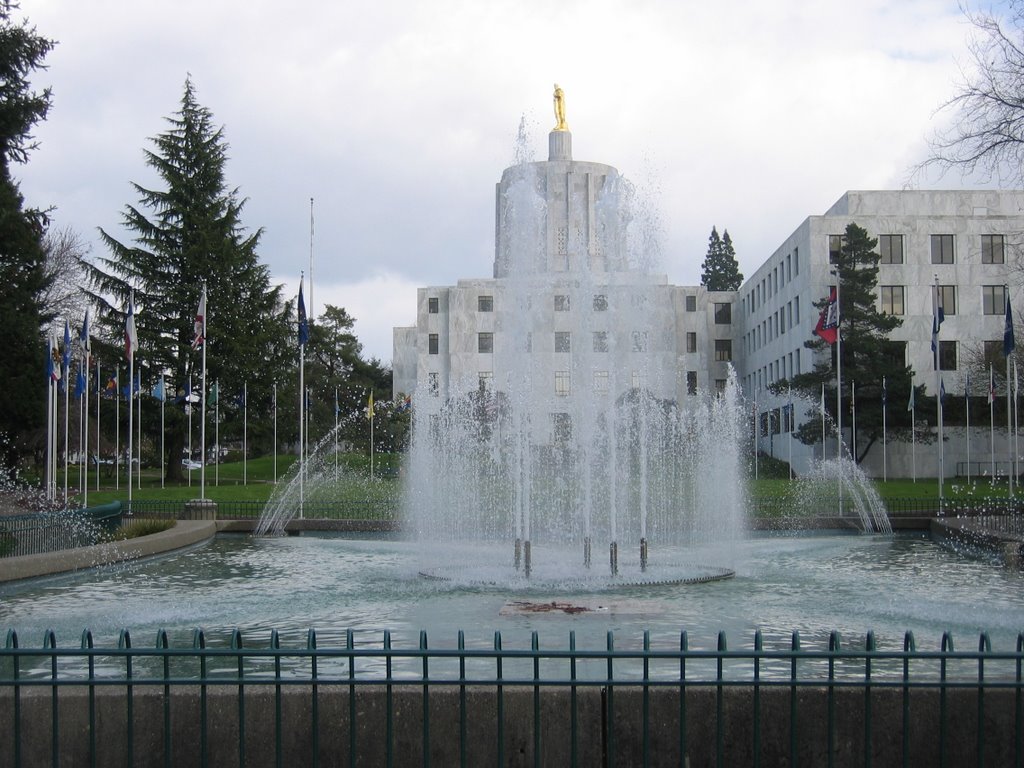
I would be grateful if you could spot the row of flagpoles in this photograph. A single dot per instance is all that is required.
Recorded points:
(58, 368)
(828, 329)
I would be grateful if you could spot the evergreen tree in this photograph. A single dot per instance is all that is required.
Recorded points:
(23, 277)
(867, 353)
(720, 270)
(191, 232)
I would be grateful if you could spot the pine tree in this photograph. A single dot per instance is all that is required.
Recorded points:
(867, 353)
(23, 277)
(720, 270)
(191, 232)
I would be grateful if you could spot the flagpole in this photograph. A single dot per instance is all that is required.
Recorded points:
(82, 440)
(130, 340)
(86, 348)
(885, 459)
(792, 423)
(137, 393)
(201, 321)
(1015, 447)
(216, 433)
(163, 402)
(1008, 345)
(839, 383)
(275, 433)
(371, 434)
(245, 433)
(913, 431)
(99, 379)
(757, 433)
(49, 415)
(967, 415)
(303, 338)
(188, 407)
(992, 419)
(117, 426)
(67, 401)
(312, 307)
(853, 418)
(823, 421)
(936, 323)
(335, 434)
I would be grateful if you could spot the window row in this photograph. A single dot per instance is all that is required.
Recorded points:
(775, 325)
(941, 247)
(562, 303)
(639, 343)
(892, 299)
(785, 367)
(783, 272)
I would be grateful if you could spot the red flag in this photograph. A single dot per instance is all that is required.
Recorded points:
(828, 322)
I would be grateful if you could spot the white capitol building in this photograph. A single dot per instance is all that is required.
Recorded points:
(573, 308)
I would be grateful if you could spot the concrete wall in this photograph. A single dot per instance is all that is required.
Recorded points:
(596, 744)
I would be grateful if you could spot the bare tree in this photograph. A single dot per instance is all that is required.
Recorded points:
(65, 251)
(986, 135)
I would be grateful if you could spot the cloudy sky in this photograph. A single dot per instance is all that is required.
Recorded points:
(398, 118)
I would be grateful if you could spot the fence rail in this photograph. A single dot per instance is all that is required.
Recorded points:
(375, 703)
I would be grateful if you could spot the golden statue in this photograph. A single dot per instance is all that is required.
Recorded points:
(560, 124)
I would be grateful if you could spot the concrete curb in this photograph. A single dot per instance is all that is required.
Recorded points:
(974, 534)
(185, 533)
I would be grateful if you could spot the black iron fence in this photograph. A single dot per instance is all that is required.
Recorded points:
(636, 701)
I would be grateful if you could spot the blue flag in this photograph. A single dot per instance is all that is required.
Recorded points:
(937, 317)
(303, 322)
(159, 391)
(67, 350)
(1008, 343)
(79, 384)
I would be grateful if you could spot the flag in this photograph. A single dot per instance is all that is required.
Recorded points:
(214, 394)
(240, 399)
(404, 405)
(1008, 343)
(369, 407)
(967, 384)
(110, 390)
(910, 405)
(66, 358)
(337, 408)
(938, 315)
(199, 328)
(828, 322)
(79, 384)
(885, 394)
(52, 359)
(822, 399)
(942, 390)
(84, 341)
(128, 390)
(303, 323)
(160, 391)
(131, 337)
(991, 386)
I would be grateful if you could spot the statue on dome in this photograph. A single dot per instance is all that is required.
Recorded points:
(560, 124)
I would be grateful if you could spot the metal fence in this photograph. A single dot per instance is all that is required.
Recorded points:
(54, 531)
(251, 510)
(369, 702)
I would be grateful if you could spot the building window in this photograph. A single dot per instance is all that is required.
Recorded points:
(993, 299)
(563, 341)
(561, 424)
(723, 313)
(433, 384)
(942, 249)
(691, 382)
(892, 299)
(563, 385)
(484, 303)
(890, 248)
(600, 382)
(796, 310)
(947, 355)
(947, 299)
(600, 341)
(993, 350)
(719, 387)
(691, 341)
(635, 380)
(485, 343)
(691, 303)
(561, 303)
(993, 249)
(723, 350)
(432, 344)
(835, 248)
(639, 341)
(894, 354)
(486, 381)
(600, 302)
(432, 305)
(796, 262)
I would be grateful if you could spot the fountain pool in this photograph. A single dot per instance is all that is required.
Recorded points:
(809, 583)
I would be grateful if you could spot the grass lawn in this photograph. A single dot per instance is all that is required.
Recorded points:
(224, 483)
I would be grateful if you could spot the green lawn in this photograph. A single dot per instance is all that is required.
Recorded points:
(224, 483)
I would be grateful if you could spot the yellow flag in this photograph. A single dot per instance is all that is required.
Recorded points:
(369, 407)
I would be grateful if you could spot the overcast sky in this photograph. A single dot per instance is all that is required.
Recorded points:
(399, 117)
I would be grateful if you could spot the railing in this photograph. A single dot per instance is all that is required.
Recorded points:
(490, 705)
(250, 510)
(54, 531)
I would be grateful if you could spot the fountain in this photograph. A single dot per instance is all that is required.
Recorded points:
(570, 437)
